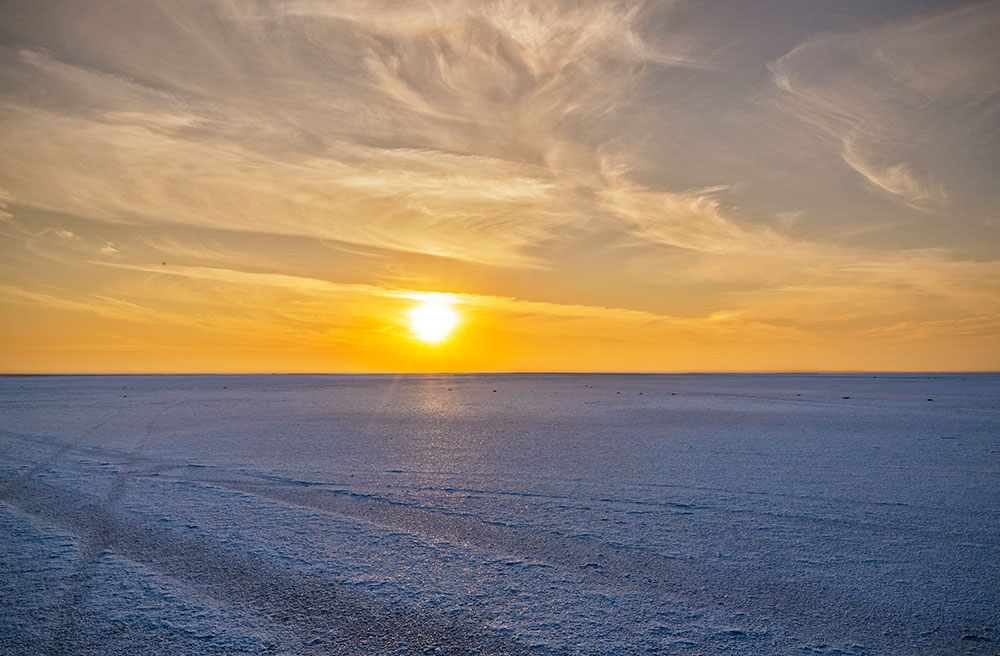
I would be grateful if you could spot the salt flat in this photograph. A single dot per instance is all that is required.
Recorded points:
(500, 514)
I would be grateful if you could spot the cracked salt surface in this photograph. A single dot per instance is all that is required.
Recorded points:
(563, 514)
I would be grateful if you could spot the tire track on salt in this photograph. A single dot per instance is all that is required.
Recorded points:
(328, 616)
(710, 585)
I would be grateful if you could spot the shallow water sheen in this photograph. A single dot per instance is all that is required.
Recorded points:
(500, 514)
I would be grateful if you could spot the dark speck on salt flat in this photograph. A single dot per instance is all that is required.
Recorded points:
(976, 638)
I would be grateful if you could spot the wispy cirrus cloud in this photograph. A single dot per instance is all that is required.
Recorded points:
(5, 198)
(694, 220)
(597, 168)
(453, 129)
(891, 99)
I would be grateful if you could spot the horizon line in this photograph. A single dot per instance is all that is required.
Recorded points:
(789, 372)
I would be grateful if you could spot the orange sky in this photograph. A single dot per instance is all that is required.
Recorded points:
(636, 186)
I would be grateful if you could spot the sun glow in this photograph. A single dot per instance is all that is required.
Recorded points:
(433, 319)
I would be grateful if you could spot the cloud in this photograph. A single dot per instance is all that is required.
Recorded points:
(314, 286)
(841, 289)
(103, 306)
(583, 165)
(898, 100)
(455, 129)
(311, 301)
(462, 206)
(5, 198)
(693, 220)
(898, 180)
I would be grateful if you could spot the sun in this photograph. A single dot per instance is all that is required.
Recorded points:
(433, 319)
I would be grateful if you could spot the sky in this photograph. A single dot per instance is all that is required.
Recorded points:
(689, 185)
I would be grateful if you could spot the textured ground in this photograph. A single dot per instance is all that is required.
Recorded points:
(543, 514)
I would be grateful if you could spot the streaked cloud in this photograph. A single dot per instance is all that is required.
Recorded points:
(5, 199)
(893, 98)
(282, 175)
(440, 128)
(692, 220)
